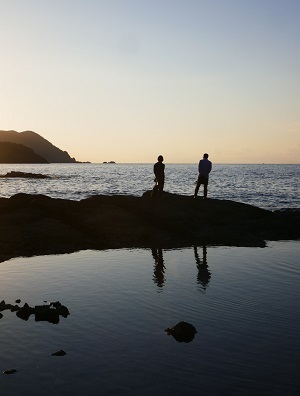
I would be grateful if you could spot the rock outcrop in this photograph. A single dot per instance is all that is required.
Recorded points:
(26, 175)
(37, 224)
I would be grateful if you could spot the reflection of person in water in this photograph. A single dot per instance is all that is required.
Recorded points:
(159, 267)
(204, 274)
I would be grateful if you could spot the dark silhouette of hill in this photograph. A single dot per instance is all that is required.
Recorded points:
(13, 153)
(38, 144)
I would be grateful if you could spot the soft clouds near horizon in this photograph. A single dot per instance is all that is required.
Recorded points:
(126, 80)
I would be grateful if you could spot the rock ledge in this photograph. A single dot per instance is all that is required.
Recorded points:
(37, 224)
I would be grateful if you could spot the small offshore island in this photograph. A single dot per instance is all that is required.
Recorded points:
(39, 225)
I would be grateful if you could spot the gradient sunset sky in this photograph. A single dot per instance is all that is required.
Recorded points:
(126, 80)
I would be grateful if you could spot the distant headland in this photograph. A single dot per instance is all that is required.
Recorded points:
(31, 148)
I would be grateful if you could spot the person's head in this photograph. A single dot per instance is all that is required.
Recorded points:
(160, 158)
(205, 155)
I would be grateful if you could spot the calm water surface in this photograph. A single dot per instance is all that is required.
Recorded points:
(244, 303)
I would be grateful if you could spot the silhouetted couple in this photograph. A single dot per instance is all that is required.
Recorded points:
(204, 169)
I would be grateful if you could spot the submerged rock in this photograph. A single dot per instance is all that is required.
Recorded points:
(10, 371)
(61, 352)
(182, 332)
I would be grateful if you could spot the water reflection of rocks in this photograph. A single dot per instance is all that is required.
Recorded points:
(203, 275)
(49, 312)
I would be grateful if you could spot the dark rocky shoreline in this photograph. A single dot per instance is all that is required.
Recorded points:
(25, 175)
(39, 225)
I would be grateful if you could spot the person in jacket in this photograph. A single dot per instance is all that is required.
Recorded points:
(204, 169)
(159, 172)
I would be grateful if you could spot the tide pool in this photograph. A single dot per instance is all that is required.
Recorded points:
(244, 303)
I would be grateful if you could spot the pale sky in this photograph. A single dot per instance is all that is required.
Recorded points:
(127, 80)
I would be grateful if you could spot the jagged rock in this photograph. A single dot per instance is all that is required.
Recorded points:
(61, 309)
(49, 313)
(25, 312)
(2, 305)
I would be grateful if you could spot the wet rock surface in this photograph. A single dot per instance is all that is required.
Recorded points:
(39, 225)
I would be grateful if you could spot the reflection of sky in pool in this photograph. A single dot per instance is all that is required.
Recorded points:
(244, 303)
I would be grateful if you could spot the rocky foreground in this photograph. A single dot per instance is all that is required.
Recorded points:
(37, 224)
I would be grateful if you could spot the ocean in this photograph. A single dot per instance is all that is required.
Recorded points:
(243, 302)
(267, 186)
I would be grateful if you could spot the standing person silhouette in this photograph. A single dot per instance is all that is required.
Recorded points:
(159, 172)
(204, 169)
